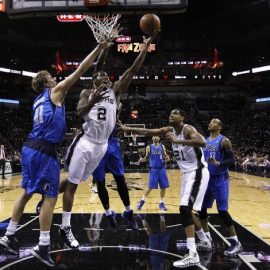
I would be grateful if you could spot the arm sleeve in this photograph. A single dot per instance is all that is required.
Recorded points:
(228, 158)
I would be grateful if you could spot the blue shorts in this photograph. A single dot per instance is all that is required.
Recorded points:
(218, 189)
(40, 173)
(112, 162)
(158, 176)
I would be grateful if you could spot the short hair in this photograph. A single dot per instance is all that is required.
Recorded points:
(182, 113)
(39, 81)
(219, 122)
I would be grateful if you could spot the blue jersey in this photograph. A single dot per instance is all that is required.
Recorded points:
(49, 122)
(213, 150)
(156, 156)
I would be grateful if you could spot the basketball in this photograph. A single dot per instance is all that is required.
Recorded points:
(149, 22)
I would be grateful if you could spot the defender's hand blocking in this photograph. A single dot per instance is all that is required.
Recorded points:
(115, 32)
(170, 137)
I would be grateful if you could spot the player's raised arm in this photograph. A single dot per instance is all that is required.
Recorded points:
(127, 77)
(59, 92)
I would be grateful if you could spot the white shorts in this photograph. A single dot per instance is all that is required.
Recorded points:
(85, 157)
(193, 188)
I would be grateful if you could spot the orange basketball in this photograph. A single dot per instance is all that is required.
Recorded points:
(149, 22)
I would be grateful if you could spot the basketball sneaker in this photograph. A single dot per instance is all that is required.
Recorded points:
(140, 204)
(204, 245)
(111, 219)
(68, 237)
(128, 215)
(42, 253)
(190, 259)
(234, 249)
(162, 206)
(10, 242)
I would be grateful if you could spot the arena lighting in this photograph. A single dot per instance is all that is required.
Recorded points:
(9, 101)
(28, 73)
(236, 73)
(261, 69)
(180, 77)
(262, 99)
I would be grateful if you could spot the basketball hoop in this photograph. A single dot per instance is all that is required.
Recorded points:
(102, 26)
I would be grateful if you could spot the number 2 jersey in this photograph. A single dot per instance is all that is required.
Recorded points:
(101, 120)
(188, 158)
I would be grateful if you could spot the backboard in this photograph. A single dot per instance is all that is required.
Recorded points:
(29, 8)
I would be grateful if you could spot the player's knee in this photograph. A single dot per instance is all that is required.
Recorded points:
(226, 217)
(186, 215)
(203, 214)
(70, 187)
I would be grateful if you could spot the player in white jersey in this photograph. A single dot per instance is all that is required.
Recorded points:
(89, 147)
(187, 145)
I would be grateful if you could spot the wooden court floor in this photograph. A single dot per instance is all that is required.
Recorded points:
(249, 198)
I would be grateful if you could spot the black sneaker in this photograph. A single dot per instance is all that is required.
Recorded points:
(128, 215)
(38, 207)
(234, 249)
(10, 242)
(42, 253)
(68, 237)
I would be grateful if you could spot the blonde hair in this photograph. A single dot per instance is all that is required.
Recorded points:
(39, 81)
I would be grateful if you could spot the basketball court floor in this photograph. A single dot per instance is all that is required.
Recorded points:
(160, 238)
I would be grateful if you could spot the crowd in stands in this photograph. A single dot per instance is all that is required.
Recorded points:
(248, 130)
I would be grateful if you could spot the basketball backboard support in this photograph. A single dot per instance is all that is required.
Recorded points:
(30, 8)
(129, 134)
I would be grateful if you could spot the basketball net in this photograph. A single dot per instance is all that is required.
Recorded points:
(102, 26)
(134, 138)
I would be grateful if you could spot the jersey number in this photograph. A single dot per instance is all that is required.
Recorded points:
(102, 114)
(38, 117)
(179, 155)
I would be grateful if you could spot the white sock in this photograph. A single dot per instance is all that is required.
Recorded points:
(108, 212)
(208, 235)
(44, 238)
(162, 200)
(127, 208)
(201, 235)
(143, 198)
(66, 216)
(11, 229)
(234, 238)
(191, 244)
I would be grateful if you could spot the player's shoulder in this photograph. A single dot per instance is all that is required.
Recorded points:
(85, 92)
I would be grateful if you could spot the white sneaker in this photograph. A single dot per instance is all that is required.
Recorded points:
(190, 259)
(204, 245)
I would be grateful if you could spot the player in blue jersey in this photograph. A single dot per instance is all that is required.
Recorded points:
(156, 153)
(40, 166)
(218, 153)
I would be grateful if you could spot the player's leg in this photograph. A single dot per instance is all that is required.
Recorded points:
(152, 184)
(99, 176)
(222, 200)
(163, 184)
(193, 189)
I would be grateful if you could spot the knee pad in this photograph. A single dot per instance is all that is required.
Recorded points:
(225, 216)
(203, 214)
(186, 216)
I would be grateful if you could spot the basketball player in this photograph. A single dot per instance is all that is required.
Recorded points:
(187, 146)
(88, 148)
(156, 153)
(40, 167)
(219, 155)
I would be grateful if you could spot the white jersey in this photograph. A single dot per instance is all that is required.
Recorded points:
(188, 158)
(101, 120)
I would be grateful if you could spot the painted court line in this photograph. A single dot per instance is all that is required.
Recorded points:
(30, 221)
(219, 234)
(247, 262)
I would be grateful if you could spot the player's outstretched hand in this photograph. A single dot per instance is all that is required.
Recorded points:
(170, 137)
(99, 93)
(105, 44)
(115, 32)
